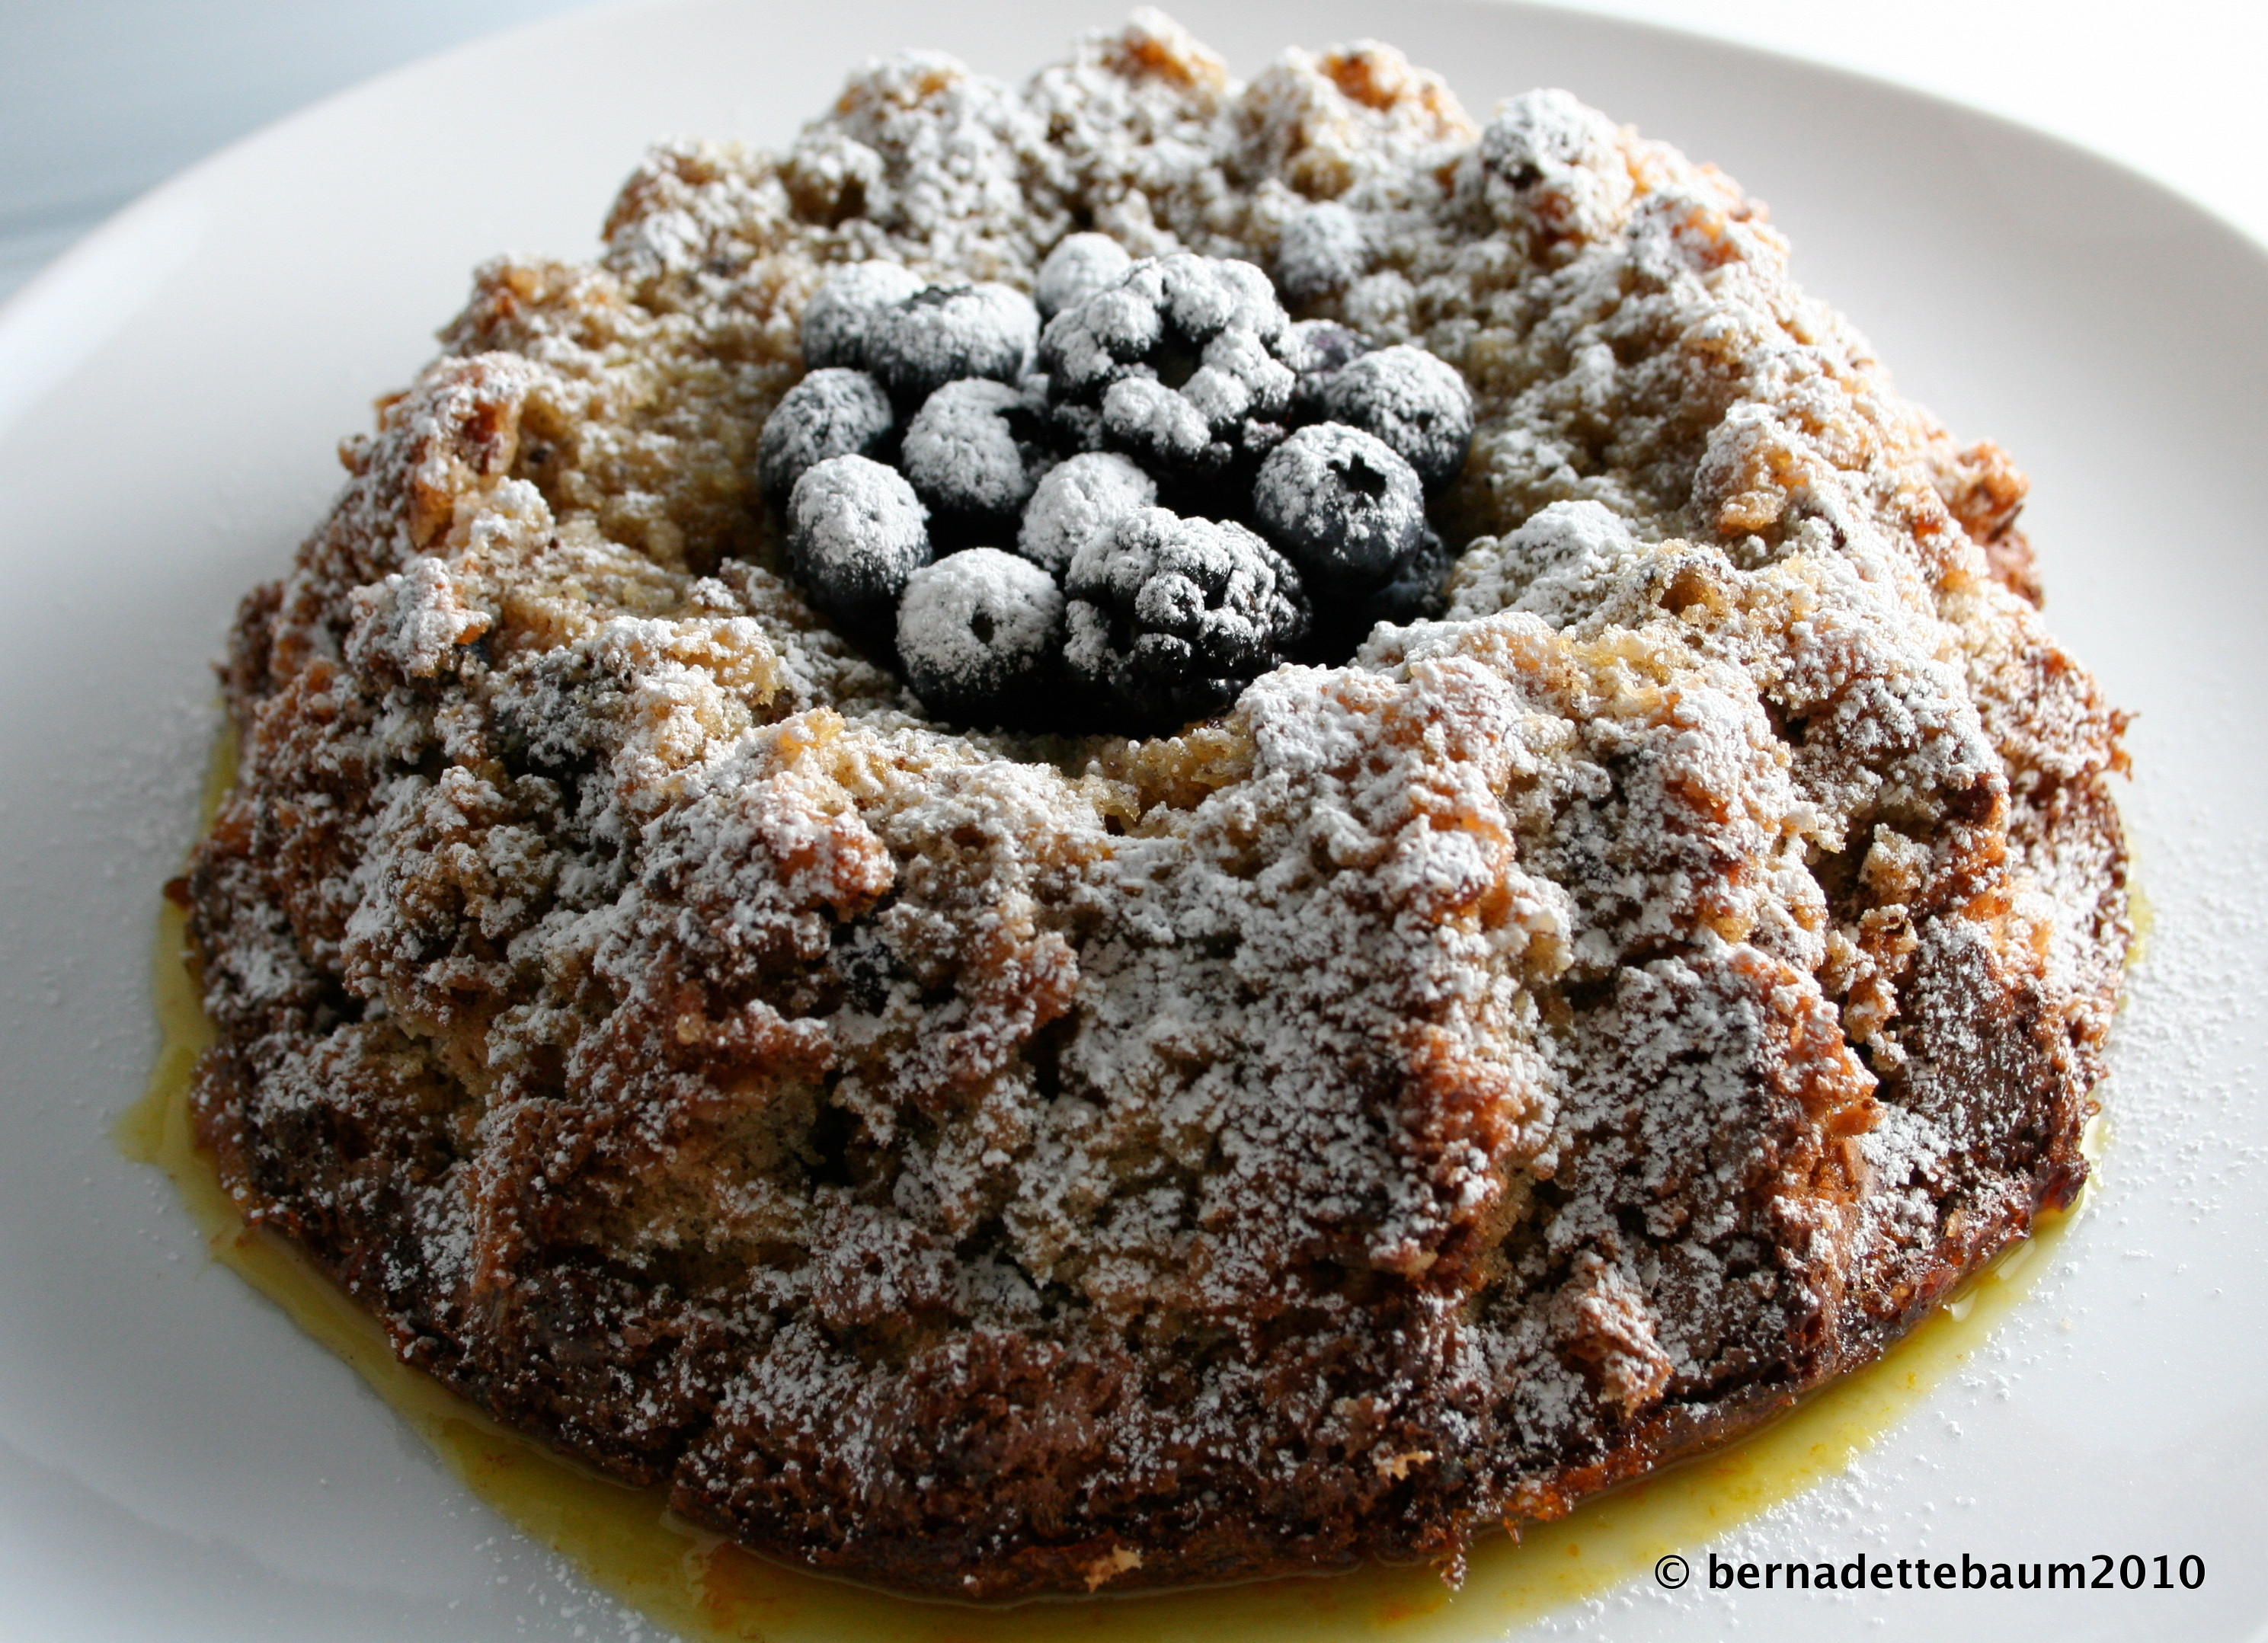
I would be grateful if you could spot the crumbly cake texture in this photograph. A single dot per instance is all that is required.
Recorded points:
(1440, 1087)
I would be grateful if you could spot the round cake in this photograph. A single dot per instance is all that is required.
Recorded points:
(1405, 1068)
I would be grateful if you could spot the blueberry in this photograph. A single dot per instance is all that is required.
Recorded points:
(1079, 265)
(1157, 316)
(1223, 418)
(856, 532)
(839, 316)
(1321, 251)
(1342, 506)
(1163, 429)
(832, 412)
(1083, 496)
(1416, 401)
(1318, 350)
(944, 332)
(1415, 594)
(1183, 357)
(979, 632)
(1074, 428)
(1170, 618)
(1113, 334)
(973, 452)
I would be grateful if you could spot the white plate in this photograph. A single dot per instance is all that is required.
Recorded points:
(177, 1461)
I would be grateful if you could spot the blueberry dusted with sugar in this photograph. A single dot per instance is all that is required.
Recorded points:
(832, 412)
(1163, 429)
(1184, 358)
(1170, 618)
(1074, 428)
(1077, 500)
(1321, 251)
(1079, 265)
(1227, 416)
(1342, 505)
(1321, 347)
(856, 533)
(1318, 350)
(980, 633)
(1415, 594)
(840, 315)
(1417, 403)
(1155, 321)
(973, 453)
(944, 332)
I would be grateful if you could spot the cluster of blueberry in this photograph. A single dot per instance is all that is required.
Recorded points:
(975, 480)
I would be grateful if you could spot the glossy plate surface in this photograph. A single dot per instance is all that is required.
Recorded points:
(177, 1461)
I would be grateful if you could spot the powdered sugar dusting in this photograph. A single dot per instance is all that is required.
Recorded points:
(976, 625)
(1431, 1090)
(1076, 499)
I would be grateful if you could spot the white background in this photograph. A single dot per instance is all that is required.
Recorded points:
(100, 100)
(177, 1461)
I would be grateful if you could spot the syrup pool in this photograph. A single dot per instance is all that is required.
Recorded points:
(629, 1543)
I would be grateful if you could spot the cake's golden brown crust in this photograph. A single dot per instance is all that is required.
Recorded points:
(1444, 1087)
